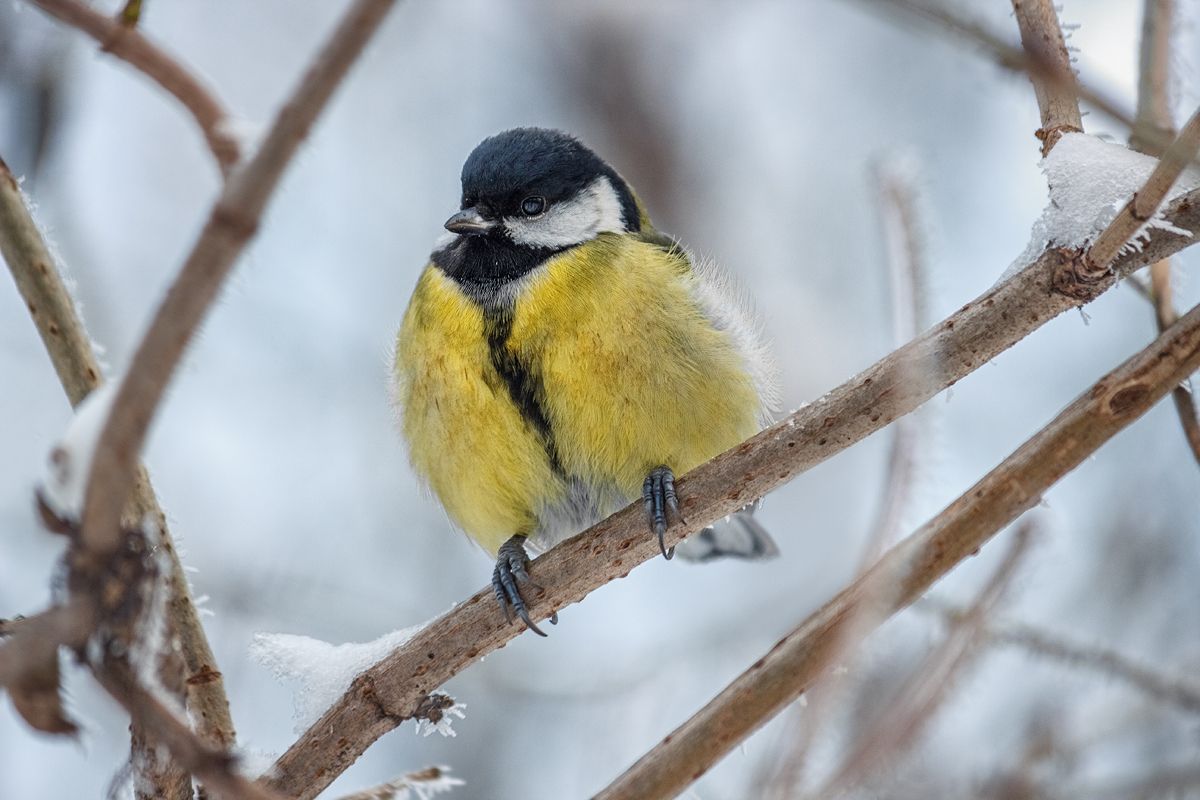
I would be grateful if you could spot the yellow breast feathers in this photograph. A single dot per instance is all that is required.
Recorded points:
(603, 363)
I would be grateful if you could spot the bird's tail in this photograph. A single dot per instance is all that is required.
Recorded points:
(737, 536)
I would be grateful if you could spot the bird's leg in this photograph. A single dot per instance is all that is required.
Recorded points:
(658, 493)
(512, 564)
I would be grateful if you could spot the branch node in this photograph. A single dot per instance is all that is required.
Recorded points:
(1075, 276)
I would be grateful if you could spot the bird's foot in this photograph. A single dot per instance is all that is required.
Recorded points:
(658, 493)
(511, 570)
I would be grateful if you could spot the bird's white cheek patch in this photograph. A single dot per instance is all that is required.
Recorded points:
(595, 210)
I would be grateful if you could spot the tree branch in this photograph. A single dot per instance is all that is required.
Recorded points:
(128, 44)
(388, 693)
(1042, 38)
(231, 224)
(910, 568)
(54, 313)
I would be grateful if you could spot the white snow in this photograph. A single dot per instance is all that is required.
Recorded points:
(1090, 181)
(323, 671)
(445, 725)
(63, 486)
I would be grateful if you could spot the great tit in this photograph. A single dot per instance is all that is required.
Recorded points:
(561, 358)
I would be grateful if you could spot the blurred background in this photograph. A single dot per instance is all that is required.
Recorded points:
(751, 130)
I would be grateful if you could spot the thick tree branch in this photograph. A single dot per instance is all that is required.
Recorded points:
(54, 313)
(1042, 38)
(231, 224)
(128, 44)
(909, 569)
(388, 693)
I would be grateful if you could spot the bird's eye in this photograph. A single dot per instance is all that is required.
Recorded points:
(532, 206)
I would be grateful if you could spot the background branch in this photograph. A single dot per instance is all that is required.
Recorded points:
(898, 728)
(911, 567)
(1174, 691)
(128, 44)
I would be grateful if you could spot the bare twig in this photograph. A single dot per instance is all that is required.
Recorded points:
(231, 224)
(1172, 690)
(128, 44)
(1042, 38)
(389, 692)
(53, 312)
(907, 279)
(897, 730)
(911, 567)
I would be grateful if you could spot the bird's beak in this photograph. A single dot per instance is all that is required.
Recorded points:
(470, 223)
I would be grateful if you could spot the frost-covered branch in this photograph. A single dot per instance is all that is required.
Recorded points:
(1141, 209)
(897, 729)
(420, 785)
(50, 304)
(910, 568)
(232, 222)
(873, 399)
(1054, 84)
(128, 44)
(67, 342)
(1173, 690)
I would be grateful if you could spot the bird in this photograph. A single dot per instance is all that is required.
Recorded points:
(561, 358)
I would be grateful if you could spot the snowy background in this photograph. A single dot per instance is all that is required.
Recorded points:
(750, 128)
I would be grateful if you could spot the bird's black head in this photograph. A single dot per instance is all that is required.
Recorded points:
(526, 194)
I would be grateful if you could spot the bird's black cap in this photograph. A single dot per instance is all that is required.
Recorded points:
(510, 166)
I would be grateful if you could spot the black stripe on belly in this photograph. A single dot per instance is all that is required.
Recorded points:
(524, 387)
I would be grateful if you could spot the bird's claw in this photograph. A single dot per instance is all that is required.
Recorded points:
(658, 493)
(511, 571)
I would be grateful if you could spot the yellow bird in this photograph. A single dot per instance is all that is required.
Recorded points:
(561, 358)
